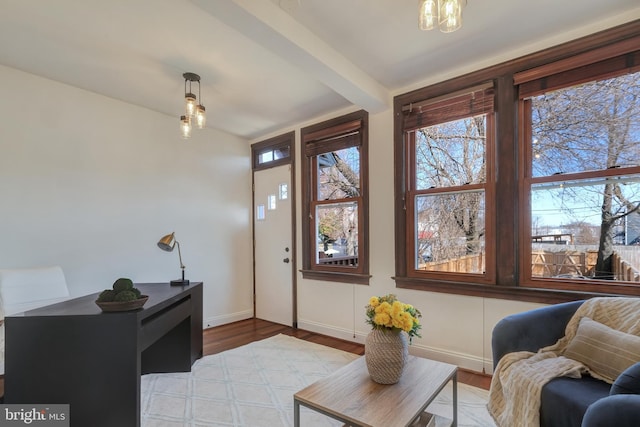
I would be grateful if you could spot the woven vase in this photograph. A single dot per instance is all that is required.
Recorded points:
(386, 352)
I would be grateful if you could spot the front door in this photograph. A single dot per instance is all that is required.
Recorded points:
(274, 257)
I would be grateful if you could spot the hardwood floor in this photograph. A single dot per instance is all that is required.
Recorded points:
(232, 335)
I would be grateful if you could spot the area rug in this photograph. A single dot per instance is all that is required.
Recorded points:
(253, 386)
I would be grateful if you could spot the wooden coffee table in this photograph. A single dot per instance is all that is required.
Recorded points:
(349, 395)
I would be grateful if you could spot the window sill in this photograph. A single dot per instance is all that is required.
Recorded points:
(514, 293)
(335, 276)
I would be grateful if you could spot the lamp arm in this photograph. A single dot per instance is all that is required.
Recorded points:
(180, 256)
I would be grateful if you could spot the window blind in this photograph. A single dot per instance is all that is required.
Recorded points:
(607, 62)
(332, 139)
(465, 103)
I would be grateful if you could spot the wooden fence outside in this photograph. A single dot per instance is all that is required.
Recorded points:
(568, 263)
(464, 264)
(625, 264)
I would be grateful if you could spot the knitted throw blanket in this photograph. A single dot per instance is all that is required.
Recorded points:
(514, 397)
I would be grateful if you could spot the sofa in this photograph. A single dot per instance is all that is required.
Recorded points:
(569, 402)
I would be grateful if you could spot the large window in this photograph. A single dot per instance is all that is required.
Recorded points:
(449, 143)
(583, 179)
(527, 187)
(335, 218)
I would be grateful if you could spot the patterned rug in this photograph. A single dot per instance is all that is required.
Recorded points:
(253, 386)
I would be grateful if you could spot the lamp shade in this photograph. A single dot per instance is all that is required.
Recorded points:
(167, 243)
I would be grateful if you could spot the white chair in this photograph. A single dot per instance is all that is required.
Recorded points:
(28, 288)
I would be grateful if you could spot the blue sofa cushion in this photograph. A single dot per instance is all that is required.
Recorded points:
(565, 400)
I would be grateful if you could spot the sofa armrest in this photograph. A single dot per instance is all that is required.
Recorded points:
(620, 410)
(628, 382)
(531, 330)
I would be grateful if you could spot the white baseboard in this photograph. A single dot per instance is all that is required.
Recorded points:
(331, 331)
(462, 360)
(210, 322)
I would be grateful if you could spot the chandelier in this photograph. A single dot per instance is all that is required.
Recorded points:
(445, 14)
(194, 110)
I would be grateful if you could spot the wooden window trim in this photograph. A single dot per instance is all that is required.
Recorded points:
(487, 187)
(313, 137)
(509, 194)
(286, 140)
(527, 180)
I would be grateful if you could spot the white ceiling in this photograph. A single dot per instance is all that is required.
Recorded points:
(268, 64)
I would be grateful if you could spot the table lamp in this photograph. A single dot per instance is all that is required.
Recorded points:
(167, 243)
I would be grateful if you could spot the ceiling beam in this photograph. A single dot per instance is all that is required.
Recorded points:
(268, 25)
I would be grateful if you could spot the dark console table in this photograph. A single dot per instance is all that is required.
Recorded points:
(73, 353)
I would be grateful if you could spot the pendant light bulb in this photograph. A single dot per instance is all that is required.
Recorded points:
(190, 104)
(450, 15)
(427, 14)
(185, 126)
(201, 116)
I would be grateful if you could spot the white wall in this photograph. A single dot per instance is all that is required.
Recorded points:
(90, 183)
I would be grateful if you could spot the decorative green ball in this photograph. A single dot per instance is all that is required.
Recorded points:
(137, 292)
(124, 296)
(107, 295)
(122, 284)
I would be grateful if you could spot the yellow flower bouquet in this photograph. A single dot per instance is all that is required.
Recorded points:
(388, 313)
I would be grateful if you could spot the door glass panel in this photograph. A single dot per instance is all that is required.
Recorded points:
(271, 202)
(260, 212)
(283, 191)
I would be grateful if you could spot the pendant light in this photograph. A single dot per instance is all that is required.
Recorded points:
(447, 14)
(194, 110)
